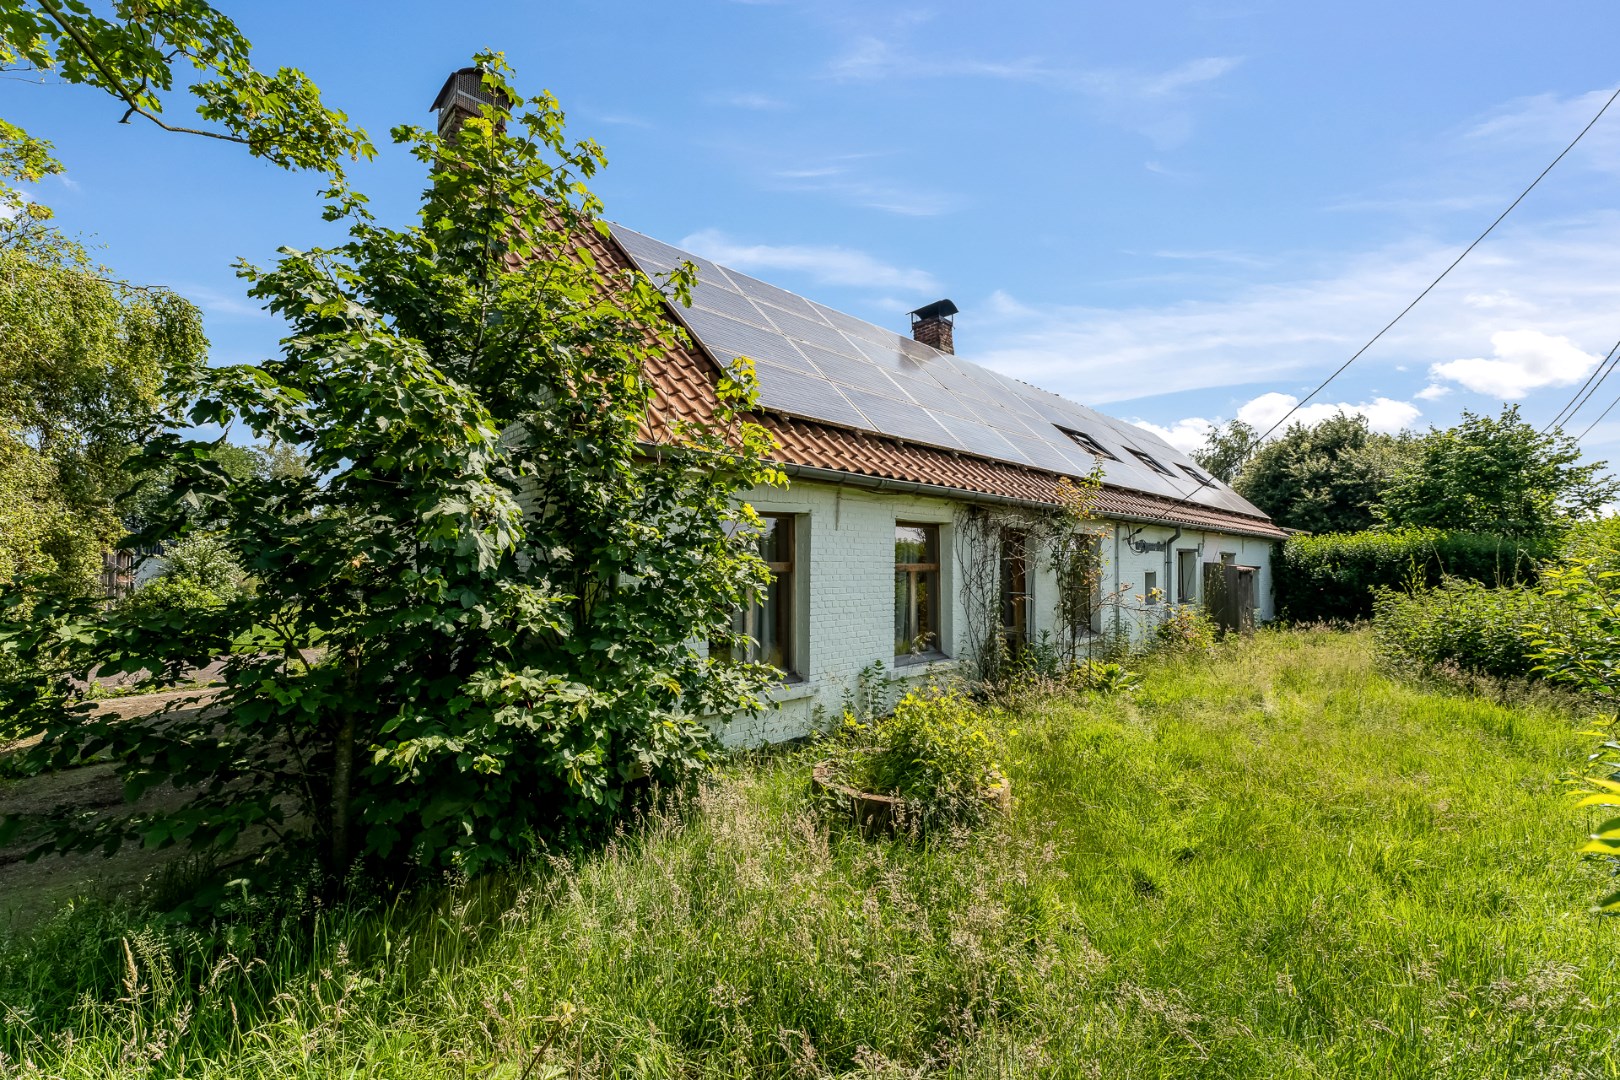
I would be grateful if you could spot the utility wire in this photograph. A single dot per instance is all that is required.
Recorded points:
(1578, 402)
(1599, 420)
(1430, 288)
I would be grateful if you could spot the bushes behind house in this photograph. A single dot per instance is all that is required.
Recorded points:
(1462, 626)
(1333, 576)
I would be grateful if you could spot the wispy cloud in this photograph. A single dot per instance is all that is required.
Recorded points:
(749, 99)
(849, 182)
(1558, 280)
(823, 264)
(1153, 102)
(222, 304)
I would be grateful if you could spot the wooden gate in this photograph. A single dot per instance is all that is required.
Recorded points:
(1229, 596)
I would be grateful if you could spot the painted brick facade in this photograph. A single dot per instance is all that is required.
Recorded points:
(844, 586)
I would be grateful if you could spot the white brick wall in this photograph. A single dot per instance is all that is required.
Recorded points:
(845, 587)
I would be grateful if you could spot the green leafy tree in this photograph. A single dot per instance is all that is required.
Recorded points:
(1497, 475)
(506, 584)
(85, 364)
(1225, 450)
(1323, 477)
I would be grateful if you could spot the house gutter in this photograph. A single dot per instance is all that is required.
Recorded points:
(914, 487)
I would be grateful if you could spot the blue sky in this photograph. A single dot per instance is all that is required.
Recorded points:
(1179, 213)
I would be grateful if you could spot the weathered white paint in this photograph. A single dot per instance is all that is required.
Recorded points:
(844, 604)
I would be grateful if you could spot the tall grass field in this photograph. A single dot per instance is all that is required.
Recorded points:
(1269, 861)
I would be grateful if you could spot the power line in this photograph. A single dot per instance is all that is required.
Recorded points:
(1489, 229)
(1576, 403)
(1430, 288)
(1599, 420)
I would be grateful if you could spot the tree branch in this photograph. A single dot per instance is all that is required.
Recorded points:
(116, 85)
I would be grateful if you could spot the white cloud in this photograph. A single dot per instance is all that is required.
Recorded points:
(1524, 360)
(1432, 392)
(824, 264)
(1382, 413)
(1185, 435)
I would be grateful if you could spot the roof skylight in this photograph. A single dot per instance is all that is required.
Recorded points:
(1088, 444)
(1153, 463)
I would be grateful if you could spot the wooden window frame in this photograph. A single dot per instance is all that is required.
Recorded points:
(917, 575)
(786, 532)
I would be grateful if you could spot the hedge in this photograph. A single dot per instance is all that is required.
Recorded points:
(1462, 625)
(1333, 576)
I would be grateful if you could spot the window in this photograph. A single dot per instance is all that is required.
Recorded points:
(1186, 576)
(768, 619)
(1088, 444)
(1014, 591)
(1152, 463)
(1150, 587)
(916, 590)
(1195, 474)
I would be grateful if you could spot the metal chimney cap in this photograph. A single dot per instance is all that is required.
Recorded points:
(939, 309)
(449, 86)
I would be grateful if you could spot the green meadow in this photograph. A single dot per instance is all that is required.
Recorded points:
(1270, 860)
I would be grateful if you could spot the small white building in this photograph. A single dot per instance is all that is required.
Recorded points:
(900, 547)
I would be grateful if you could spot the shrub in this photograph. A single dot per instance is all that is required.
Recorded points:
(1461, 625)
(1333, 576)
(1185, 627)
(940, 751)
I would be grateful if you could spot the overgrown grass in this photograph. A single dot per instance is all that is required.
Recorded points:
(1272, 862)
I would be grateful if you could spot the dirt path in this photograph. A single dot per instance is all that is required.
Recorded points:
(31, 891)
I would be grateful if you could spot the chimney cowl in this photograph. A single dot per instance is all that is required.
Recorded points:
(462, 96)
(931, 325)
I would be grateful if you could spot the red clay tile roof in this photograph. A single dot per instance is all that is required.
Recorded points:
(684, 376)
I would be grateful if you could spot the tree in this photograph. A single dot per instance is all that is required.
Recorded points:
(505, 586)
(1323, 478)
(1497, 475)
(85, 363)
(1226, 449)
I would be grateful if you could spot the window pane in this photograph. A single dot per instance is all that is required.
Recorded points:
(1187, 576)
(772, 626)
(1150, 587)
(916, 543)
(773, 542)
(926, 639)
(903, 632)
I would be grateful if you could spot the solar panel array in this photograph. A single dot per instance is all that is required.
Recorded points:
(820, 364)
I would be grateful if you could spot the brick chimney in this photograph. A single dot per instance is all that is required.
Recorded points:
(461, 96)
(931, 325)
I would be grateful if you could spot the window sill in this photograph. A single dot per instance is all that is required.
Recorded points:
(910, 667)
(794, 688)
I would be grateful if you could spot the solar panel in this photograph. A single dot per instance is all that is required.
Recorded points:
(725, 302)
(826, 365)
(814, 331)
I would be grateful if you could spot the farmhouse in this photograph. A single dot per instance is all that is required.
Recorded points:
(898, 450)
(909, 540)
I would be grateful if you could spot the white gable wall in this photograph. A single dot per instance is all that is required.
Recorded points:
(844, 586)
